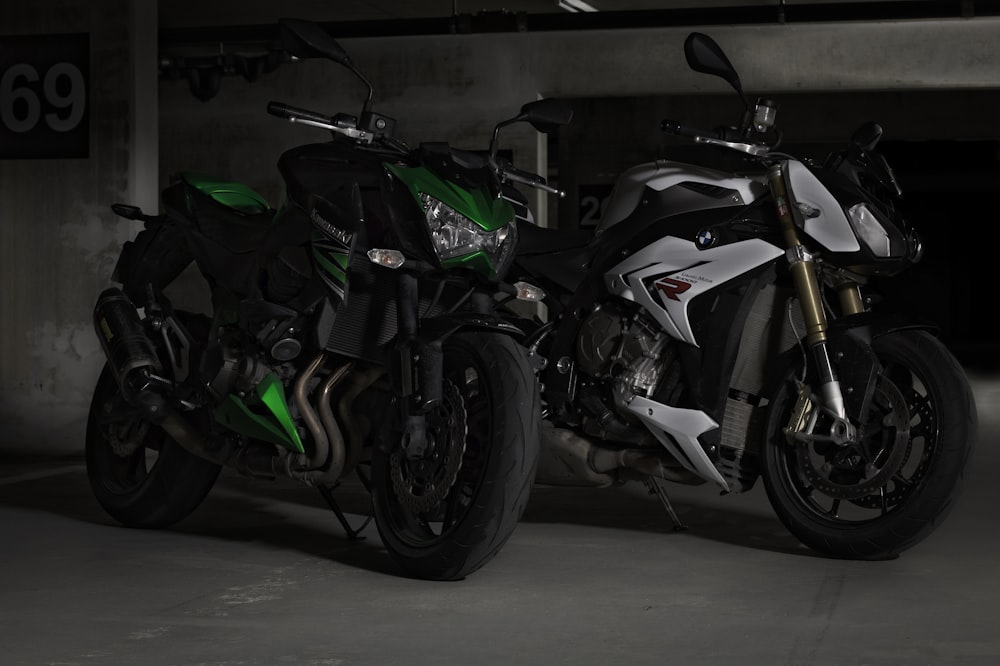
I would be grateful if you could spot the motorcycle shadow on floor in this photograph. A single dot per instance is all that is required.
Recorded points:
(743, 521)
(290, 516)
(275, 514)
(286, 515)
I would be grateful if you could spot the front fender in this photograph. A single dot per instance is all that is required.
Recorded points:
(436, 329)
(416, 365)
(867, 326)
(849, 341)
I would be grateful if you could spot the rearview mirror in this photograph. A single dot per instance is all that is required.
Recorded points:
(705, 56)
(867, 136)
(305, 39)
(546, 115)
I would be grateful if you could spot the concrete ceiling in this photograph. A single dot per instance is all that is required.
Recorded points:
(182, 15)
(188, 13)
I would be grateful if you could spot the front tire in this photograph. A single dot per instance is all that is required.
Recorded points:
(138, 474)
(883, 494)
(446, 515)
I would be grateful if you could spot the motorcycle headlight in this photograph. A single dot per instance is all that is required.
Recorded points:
(870, 230)
(458, 241)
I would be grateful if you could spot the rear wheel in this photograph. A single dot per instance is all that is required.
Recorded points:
(138, 474)
(447, 514)
(883, 493)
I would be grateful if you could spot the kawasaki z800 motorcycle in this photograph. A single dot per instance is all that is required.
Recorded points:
(721, 326)
(351, 333)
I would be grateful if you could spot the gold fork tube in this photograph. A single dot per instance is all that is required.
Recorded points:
(802, 268)
(849, 295)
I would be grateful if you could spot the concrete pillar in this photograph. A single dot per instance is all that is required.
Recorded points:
(58, 237)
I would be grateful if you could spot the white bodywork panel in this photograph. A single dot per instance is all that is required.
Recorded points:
(663, 174)
(830, 227)
(687, 272)
(684, 426)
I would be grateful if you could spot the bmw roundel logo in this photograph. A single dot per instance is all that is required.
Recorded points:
(706, 238)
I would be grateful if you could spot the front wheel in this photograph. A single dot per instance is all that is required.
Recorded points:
(445, 515)
(881, 494)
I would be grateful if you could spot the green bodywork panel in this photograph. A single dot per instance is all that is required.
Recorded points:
(331, 256)
(234, 195)
(489, 212)
(276, 427)
(477, 261)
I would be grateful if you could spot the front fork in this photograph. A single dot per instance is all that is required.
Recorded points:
(419, 369)
(807, 288)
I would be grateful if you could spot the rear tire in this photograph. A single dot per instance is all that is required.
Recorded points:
(138, 474)
(885, 494)
(439, 523)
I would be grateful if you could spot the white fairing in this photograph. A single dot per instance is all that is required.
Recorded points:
(826, 223)
(683, 426)
(685, 272)
(663, 174)
(680, 272)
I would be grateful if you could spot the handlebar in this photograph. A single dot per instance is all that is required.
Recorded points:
(293, 113)
(724, 137)
(340, 124)
(530, 179)
(674, 127)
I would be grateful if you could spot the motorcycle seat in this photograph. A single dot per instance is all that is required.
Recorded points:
(228, 213)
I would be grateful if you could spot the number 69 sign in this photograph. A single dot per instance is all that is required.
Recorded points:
(44, 109)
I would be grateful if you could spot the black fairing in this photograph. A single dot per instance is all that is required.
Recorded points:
(327, 178)
(849, 189)
(467, 169)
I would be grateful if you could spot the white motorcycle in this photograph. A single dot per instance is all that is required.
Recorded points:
(721, 326)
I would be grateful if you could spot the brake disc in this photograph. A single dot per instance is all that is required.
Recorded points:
(421, 485)
(849, 472)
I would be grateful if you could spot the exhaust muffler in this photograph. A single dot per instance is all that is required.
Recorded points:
(129, 351)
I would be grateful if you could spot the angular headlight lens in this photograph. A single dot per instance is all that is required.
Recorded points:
(869, 230)
(454, 235)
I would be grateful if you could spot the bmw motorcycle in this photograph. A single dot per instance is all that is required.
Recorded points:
(351, 333)
(724, 324)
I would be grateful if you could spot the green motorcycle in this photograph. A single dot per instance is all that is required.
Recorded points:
(350, 334)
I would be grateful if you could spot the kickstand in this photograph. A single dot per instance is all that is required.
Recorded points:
(655, 487)
(327, 493)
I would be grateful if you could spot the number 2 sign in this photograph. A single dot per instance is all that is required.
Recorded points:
(44, 105)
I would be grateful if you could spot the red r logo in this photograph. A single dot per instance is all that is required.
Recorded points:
(671, 287)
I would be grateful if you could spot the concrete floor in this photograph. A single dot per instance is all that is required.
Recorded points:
(261, 574)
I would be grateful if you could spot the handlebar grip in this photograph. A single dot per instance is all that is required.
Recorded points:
(525, 177)
(674, 127)
(287, 112)
(277, 109)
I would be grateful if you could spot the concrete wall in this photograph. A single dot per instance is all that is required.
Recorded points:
(58, 238)
(455, 87)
